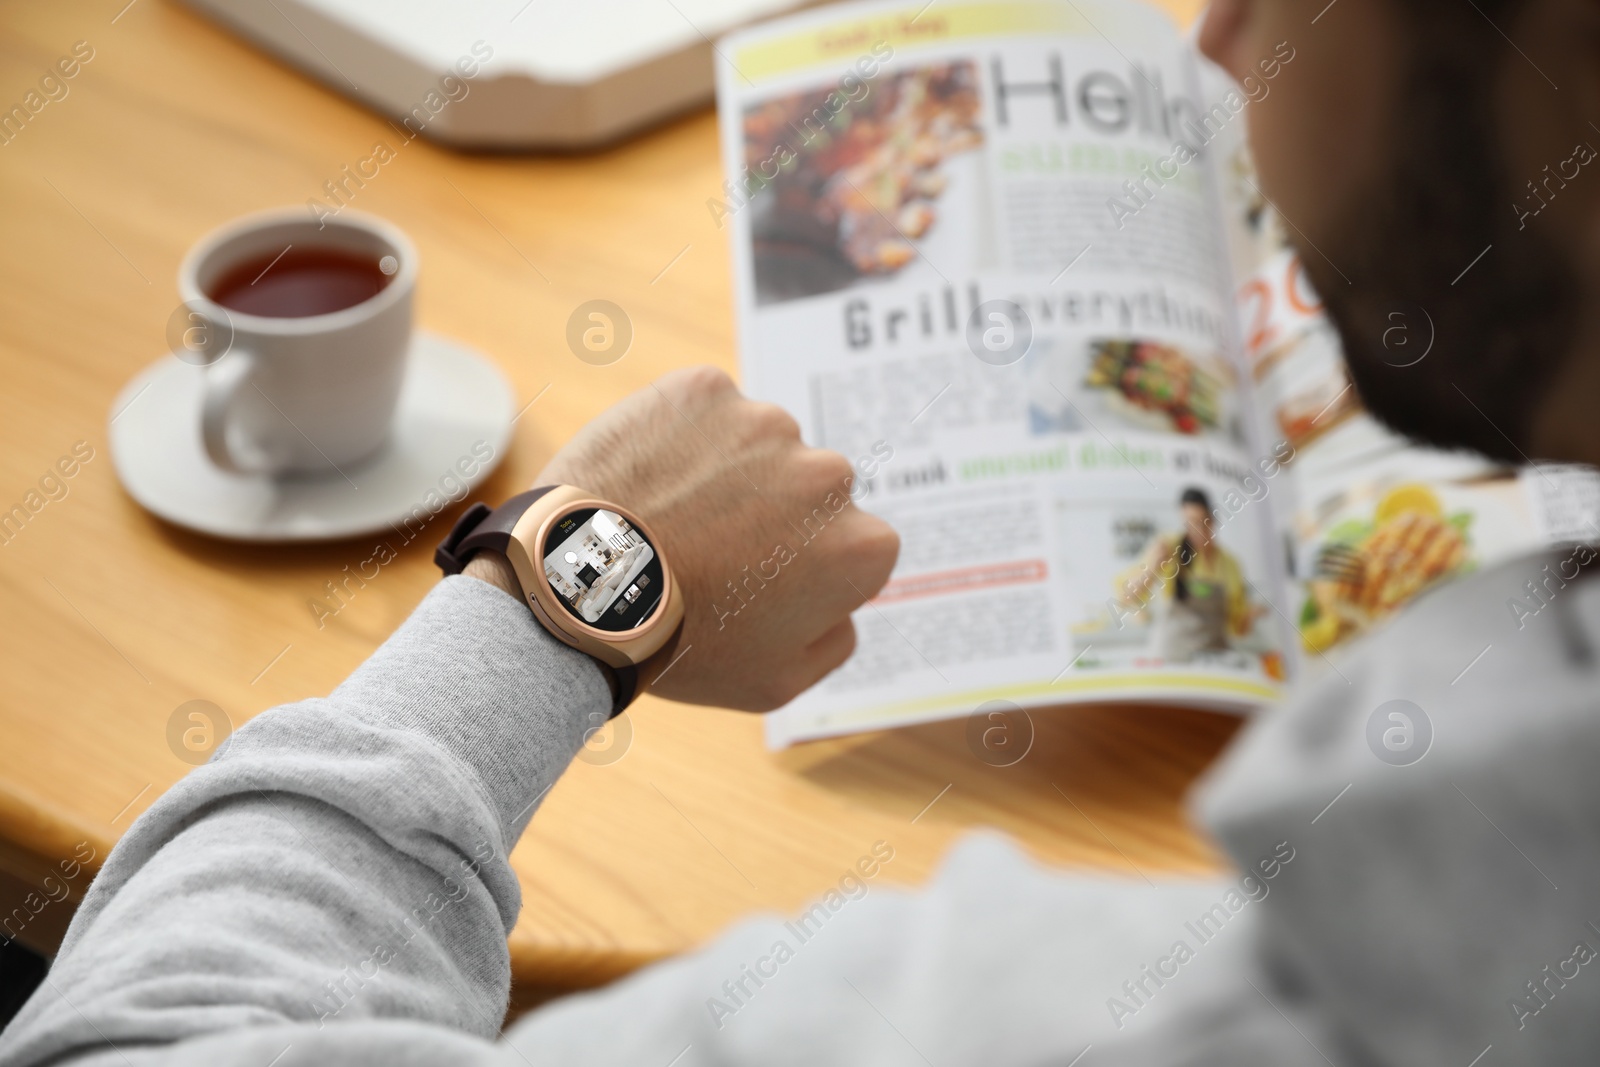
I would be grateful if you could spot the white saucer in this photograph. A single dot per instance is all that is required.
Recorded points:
(453, 401)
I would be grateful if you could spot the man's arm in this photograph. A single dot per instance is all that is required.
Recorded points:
(345, 858)
(340, 858)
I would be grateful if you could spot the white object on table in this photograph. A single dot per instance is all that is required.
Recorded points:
(561, 73)
(450, 431)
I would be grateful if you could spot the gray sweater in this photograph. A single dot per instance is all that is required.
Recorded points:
(333, 888)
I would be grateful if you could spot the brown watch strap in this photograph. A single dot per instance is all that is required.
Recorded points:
(480, 528)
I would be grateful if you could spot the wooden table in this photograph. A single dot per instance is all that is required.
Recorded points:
(113, 619)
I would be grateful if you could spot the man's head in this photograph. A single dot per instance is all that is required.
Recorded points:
(1406, 149)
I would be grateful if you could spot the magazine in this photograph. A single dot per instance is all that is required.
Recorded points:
(1012, 261)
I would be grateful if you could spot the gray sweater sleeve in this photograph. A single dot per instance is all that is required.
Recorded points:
(338, 859)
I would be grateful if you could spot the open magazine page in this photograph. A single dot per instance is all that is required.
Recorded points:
(971, 255)
(1368, 520)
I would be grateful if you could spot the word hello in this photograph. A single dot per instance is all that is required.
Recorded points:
(52, 487)
(342, 188)
(452, 488)
(1205, 131)
(1106, 103)
(1142, 989)
(53, 87)
(1541, 991)
(853, 89)
(810, 528)
(852, 885)
(1581, 155)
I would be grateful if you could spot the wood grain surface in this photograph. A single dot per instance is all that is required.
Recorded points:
(112, 619)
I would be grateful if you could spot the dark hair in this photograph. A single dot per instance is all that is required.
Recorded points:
(1197, 497)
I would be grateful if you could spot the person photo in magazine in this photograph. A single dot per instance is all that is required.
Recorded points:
(1201, 602)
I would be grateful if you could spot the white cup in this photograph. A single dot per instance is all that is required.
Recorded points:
(297, 395)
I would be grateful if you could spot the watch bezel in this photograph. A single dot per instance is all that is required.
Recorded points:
(525, 550)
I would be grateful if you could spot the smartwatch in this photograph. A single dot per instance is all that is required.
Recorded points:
(589, 570)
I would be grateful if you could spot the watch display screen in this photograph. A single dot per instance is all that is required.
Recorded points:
(603, 570)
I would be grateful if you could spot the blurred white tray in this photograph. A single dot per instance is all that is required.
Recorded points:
(562, 74)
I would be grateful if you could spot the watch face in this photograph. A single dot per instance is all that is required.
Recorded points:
(603, 570)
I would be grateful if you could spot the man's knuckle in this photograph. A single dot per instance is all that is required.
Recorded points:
(772, 420)
(847, 646)
(881, 543)
(710, 380)
(825, 468)
(694, 385)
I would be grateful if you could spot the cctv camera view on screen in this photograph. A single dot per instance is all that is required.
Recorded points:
(603, 569)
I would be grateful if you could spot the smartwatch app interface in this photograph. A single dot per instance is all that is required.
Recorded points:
(603, 569)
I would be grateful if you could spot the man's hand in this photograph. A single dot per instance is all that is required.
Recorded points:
(769, 553)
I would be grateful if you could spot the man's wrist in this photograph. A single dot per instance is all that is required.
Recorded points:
(495, 569)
